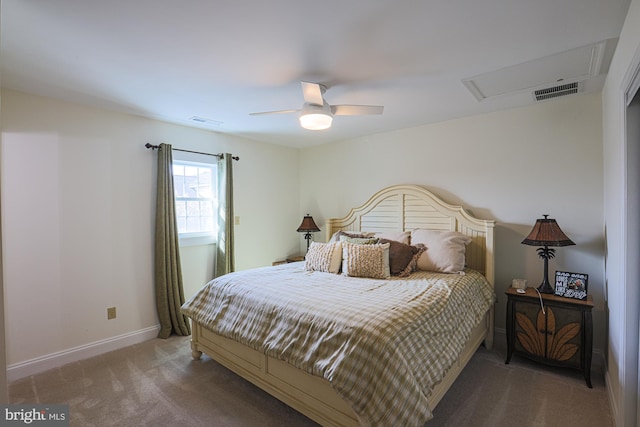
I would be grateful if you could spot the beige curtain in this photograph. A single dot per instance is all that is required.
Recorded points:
(225, 262)
(168, 274)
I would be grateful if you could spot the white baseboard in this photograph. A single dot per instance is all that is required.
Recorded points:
(60, 358)
(613, 402)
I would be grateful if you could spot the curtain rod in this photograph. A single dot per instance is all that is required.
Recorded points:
(155, 147)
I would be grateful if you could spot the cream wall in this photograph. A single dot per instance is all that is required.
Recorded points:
(623, 294)
(4, 392)
(95, 250)
(77, 223)
(511, 166)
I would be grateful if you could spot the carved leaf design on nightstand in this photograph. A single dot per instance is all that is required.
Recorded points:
(560, 349)
(551, 328)
(532, 338)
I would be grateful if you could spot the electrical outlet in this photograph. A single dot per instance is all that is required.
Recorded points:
(111, 313)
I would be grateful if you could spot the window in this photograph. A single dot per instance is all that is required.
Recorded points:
(195, 190)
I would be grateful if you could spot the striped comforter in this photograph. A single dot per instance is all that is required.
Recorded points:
(382, 344)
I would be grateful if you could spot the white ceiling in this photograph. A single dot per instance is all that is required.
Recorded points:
(221, 60)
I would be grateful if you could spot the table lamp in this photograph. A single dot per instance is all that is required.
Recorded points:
(308, 226)
(546, 232)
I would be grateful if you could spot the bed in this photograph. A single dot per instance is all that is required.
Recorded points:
(312, 379)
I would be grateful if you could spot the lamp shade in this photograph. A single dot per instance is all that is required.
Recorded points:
(547, 232)
(308, 225)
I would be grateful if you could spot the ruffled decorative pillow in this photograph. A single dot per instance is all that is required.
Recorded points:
(325, 257)
(370, 260)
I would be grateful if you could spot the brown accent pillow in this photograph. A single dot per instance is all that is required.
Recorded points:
(413, 265)
(401, 256)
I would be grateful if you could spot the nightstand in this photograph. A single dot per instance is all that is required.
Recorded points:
(561, 334)
(296, 258)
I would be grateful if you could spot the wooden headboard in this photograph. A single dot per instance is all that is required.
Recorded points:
(407, 207)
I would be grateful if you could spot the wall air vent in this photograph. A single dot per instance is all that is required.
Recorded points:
(557, 91)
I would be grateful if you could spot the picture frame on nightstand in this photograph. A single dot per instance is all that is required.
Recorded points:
(572, 285)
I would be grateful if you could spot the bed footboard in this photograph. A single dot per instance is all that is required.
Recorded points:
(310, 395)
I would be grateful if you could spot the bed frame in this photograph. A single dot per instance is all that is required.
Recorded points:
(396, 208)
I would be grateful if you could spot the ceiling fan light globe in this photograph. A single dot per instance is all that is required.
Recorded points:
(316, 121)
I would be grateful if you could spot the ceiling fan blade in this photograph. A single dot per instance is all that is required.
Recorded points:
(356, 110)
(264, 113)
(312, 93)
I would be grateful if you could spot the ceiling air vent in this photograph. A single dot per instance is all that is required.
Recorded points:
(557, 91)
(205, 121)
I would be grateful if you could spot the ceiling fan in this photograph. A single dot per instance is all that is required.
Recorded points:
(317, 114)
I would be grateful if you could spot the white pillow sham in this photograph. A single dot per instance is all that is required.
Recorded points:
(445, 251)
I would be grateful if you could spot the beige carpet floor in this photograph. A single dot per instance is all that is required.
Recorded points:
(156, 383)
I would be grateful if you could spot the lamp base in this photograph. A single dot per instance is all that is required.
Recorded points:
(546, 253)
(307, 236)
(545, 288)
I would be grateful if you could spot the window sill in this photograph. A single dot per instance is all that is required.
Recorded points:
(196, 241)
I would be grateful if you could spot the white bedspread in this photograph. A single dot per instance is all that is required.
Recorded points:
(382, 344)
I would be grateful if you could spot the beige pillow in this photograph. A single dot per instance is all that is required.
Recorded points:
(366, 260)
(445, 251)
(325, 257)
(359, 240)
(398, 236)
(336, 236)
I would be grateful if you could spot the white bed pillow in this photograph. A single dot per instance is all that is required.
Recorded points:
(398, 236)
(326, 257)
(370, 260)
(445, 251)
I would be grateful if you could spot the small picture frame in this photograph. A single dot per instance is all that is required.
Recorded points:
(572, 285)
